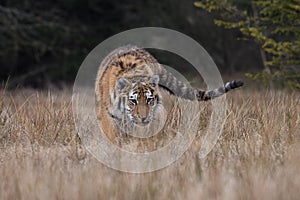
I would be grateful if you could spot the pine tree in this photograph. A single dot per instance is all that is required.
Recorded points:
(274, 25)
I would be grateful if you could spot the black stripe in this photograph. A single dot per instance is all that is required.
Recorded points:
(121, 64)
(200, 95)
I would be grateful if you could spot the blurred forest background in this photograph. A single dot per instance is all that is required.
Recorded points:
(43, 43)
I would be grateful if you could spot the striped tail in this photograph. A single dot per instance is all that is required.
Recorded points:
(178, 88)
(211, 94)
(169, 82)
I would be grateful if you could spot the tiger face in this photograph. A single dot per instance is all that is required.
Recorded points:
(139, 98)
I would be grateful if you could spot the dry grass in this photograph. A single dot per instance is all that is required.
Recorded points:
(257, 156)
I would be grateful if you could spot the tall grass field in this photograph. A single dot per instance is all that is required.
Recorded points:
(256, 157)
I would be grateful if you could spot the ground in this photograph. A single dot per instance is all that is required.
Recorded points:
(256, 157)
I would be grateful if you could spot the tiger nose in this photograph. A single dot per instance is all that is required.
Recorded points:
(142, 117)
(145, 120)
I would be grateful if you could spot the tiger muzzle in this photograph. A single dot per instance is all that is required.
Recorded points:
(143, 114)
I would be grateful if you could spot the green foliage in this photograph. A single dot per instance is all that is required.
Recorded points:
(274, 25)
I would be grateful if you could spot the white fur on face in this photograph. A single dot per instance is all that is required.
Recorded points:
(149, 94)
(132, 95)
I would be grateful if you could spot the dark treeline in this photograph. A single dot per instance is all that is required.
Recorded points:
(44, 42)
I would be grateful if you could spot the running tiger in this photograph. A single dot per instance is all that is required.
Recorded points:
(128, 90)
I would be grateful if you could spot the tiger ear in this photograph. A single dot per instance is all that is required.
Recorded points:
(122, 83)
(154, 80)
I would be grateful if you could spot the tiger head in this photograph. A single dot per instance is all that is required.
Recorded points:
(139, 98)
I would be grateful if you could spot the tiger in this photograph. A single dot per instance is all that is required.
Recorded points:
(129, 87)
